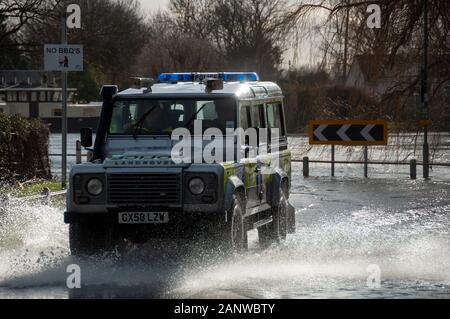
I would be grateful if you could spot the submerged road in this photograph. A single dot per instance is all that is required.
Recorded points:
(349, 230)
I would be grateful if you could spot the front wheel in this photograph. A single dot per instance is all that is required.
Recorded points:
(90, 239)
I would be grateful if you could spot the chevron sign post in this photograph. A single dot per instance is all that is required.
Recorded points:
(348, 132)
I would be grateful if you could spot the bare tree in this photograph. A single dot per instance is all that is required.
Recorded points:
(250, 34)
(113, 34)
(193, 16)
(396, 48)
(15, 16)
(174, 49)
(19, 13)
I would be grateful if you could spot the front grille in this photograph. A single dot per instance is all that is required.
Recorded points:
(144, 189)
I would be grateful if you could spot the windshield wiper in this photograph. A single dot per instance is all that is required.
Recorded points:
(139, 123)
(188, 123)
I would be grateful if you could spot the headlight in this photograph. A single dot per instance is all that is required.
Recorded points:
(196, 186)
(94, 187)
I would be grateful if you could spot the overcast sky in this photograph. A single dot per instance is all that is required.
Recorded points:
(307, 50)
(154, 4)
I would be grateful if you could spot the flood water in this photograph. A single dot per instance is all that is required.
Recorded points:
(347, 228)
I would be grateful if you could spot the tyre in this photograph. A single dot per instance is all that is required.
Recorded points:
(234, 232)
(290, 219)
(280, 219)
(276, 231)
(88, 240)
(265, 235)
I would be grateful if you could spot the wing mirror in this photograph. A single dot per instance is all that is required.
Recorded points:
(86, 137)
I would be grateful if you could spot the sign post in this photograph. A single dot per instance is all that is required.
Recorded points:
(64, 58)
(64, 110)
(424, 93)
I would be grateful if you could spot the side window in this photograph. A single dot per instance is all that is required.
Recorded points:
(132, 112)
(262, 115)
(244, 121)
(275, 117)
(57, 97)
(11, 96)
(217, 114)
(123, 115)
(255, 116)
(270, 115)
(23, 97)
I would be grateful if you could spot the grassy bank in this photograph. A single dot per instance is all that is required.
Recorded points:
(30, 188)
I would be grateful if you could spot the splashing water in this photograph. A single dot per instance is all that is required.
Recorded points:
(343, 227)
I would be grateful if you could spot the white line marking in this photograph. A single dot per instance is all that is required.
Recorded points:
(342, 133)
(366, 133)
(318, 132)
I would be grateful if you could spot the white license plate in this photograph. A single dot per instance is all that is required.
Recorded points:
(144, 218)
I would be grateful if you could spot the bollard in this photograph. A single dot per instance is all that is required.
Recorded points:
(305, 167)
(78, 152)
(413, 169)
(366, 159)
(333, 157)
(426, 156)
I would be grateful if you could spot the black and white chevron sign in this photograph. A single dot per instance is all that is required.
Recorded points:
(348, 132)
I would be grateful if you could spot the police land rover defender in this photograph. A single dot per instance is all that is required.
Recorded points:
(133, 188)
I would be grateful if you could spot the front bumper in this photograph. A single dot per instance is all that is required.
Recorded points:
(176, 218)
(180, 225)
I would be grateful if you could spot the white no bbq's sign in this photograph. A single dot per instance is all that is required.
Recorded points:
(59, 57)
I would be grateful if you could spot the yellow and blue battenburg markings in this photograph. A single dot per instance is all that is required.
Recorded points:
(198, 77)
(246, 170)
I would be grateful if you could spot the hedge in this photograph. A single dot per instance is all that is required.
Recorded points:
(23, 149)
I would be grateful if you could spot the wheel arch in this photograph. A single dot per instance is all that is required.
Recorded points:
(233, 186)
(280, 181)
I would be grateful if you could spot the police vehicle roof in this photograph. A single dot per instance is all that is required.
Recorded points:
(238, 89)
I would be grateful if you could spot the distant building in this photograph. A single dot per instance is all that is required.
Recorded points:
(399, 78)
(35, 94)
(370, 74)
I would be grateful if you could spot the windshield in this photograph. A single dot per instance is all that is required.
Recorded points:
(161, 117)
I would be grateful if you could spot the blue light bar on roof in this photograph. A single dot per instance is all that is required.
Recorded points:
(175, 77)
(199, 77)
